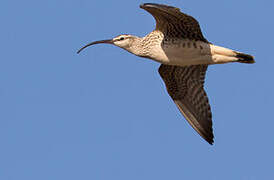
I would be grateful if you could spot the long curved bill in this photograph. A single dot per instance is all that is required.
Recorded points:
(108, 41)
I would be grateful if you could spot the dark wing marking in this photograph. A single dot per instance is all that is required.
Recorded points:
(173, 23)
(185, 85)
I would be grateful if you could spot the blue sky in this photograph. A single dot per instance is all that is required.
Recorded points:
(105, 114)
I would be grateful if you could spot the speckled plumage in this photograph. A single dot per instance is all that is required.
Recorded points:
(173, 23)
(185, 86)
(179, 45)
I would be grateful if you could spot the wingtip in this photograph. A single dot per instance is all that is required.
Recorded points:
(210, 141)
(144, 5)
(154, 5)
(208, 138)
(148, 4)
(207, 134)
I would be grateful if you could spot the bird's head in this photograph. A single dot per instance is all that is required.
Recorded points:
(124, 41)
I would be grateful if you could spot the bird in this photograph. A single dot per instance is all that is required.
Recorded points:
(177, 43)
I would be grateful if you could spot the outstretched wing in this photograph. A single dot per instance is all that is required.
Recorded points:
(185, 85)
(173, 23)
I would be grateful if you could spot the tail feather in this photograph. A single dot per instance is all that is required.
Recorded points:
(245, 58)
(225, 55)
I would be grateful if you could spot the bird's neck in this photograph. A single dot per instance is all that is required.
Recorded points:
(137, 47)
(142, 46)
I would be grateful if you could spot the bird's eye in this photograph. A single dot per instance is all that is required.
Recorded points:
(121, 38)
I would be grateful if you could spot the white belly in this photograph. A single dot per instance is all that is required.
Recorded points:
(185, 53)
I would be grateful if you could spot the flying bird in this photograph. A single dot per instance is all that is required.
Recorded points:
(179, 45)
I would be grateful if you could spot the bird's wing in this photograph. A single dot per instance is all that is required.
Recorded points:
(173, 23)
(185, 85)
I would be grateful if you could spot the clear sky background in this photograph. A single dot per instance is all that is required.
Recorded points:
(105, 114)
